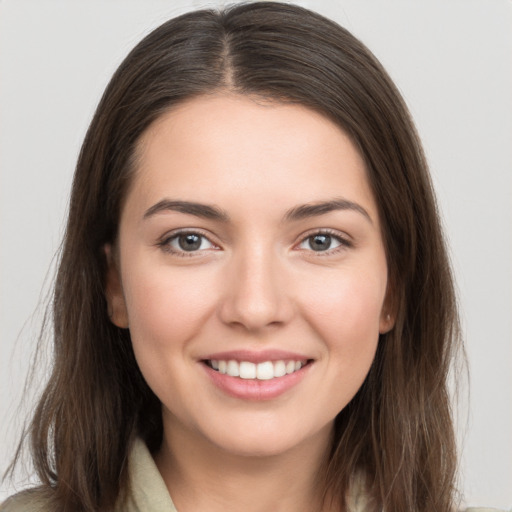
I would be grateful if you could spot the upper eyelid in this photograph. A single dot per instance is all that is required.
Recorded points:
(182, 231)
(326, 231)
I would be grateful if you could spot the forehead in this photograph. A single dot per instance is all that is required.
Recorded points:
(211, 147)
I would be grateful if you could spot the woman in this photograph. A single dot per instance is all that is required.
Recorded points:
(254, 307)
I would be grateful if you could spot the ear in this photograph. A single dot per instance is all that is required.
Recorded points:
(116, 303)
(388, 312)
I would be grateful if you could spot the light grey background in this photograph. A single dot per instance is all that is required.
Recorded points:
(450, 58)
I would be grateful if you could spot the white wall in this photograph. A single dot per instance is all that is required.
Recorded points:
(450, 58)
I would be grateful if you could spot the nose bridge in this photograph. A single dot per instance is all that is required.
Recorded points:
(255, 293)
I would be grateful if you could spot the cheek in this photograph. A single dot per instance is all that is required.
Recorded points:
(348, 301)
(346, 312)
(165, 308)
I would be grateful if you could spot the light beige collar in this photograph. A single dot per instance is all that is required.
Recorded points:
(148, 490)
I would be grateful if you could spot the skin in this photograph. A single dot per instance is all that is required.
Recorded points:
(254, 284)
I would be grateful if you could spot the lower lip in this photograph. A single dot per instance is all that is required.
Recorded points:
(254, 389)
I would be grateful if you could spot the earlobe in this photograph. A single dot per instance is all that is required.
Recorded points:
(388, 313)
(387, 322)
(116, 304)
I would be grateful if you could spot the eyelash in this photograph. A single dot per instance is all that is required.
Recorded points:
(164, 244)
(344, 243)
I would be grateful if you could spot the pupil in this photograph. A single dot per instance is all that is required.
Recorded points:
(189, 242)
(320, 242)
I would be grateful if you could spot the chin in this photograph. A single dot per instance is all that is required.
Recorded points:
(272, 441)
(257, 447)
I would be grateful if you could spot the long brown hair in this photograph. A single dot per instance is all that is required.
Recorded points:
(397, 431)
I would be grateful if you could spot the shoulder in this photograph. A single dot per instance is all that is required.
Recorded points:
(31, 500)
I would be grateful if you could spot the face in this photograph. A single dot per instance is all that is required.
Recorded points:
(250, 271)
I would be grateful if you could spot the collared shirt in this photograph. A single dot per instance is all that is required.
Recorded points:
(149, 492)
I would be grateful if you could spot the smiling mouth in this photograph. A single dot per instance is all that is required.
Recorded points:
(265, 370)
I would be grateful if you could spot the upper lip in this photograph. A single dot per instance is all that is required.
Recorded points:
(256, 356)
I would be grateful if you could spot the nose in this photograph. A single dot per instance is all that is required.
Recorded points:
(255, 293)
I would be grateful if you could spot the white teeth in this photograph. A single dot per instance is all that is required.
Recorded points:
(232, 369)
(279, 369)
(247, 370)
(261, 371)
(265, 371)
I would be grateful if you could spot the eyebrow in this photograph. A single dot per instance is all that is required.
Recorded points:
(297, 213)
(197, 209)
(321, 208)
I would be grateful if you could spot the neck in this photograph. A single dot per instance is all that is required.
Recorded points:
(201, 476)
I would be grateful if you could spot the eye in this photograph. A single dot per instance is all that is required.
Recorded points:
(187, 242)
(323, 242)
